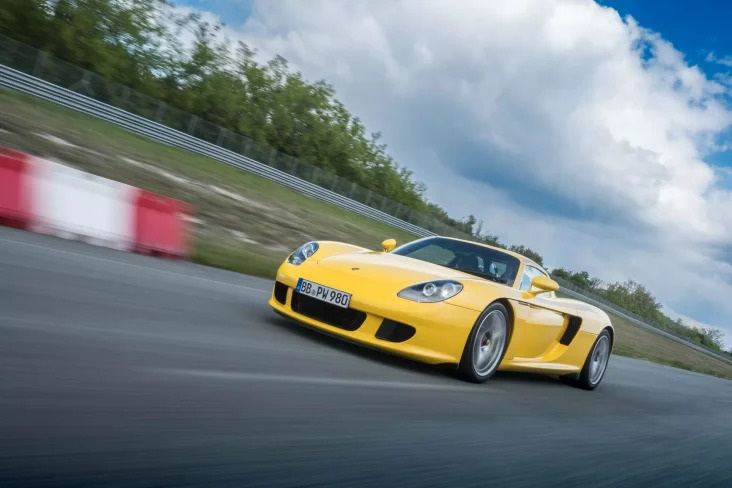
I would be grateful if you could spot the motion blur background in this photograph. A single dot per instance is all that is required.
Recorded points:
(593, 137)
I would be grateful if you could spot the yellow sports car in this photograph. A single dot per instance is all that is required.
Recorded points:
(446, 301)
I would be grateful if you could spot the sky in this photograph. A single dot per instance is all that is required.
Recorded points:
(598, 133)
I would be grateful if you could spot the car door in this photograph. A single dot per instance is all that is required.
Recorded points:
(543, 324)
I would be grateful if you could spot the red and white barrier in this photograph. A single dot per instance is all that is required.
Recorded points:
(160, 224)
(50, 198)
(15, 189)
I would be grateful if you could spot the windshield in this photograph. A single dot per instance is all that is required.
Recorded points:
(466, 257)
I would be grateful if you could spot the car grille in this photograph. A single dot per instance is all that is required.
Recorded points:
(343, 318)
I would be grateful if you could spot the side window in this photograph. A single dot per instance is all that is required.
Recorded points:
(525, 282)
(529, 273)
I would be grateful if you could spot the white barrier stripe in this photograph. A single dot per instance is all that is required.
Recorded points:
(70, 202)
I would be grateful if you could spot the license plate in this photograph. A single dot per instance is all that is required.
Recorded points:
(323, 293)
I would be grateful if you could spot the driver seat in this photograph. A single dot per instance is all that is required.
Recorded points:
(470, 261)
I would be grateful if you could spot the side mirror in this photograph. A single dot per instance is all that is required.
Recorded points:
(388, 245)
(543, 284)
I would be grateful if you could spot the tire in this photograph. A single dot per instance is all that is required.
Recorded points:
(479, 363)
(598, 357)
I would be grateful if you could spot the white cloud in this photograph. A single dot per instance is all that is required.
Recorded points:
(724, 60)
(724, 79)
(562, 125)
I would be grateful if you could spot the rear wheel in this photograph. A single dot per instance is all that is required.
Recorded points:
(595, 365)
(486, 345)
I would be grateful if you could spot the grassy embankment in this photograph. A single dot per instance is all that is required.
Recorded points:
(244, 223)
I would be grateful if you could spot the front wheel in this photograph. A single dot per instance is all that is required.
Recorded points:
(486, 345)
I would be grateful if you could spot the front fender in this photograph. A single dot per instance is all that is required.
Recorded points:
(478, 294)
(333, 248)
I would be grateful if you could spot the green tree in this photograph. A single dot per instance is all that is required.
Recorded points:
(529, 253)
(581, 279)
(120, 40)
(716, 336)
(28, 21)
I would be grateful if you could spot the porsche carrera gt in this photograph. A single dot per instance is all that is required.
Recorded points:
(442, 300)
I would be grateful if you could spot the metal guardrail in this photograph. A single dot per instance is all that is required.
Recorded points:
(13, 79)
(640, 323)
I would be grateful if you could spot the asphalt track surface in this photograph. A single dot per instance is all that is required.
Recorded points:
(122, 370)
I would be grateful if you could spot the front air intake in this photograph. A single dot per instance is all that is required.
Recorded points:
(393, 331)
(280, 292)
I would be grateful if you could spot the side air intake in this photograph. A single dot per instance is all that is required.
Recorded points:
(571, 332)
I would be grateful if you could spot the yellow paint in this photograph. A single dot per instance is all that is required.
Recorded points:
(374, 278)
(543, 284)
(388, 245)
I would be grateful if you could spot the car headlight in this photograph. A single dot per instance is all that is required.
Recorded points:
(302, 253)
(431, 291)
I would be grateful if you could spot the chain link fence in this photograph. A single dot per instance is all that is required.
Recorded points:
(42, 66)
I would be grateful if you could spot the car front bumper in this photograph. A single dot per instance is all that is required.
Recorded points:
(433, 333)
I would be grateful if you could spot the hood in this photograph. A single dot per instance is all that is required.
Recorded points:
(380, 267)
